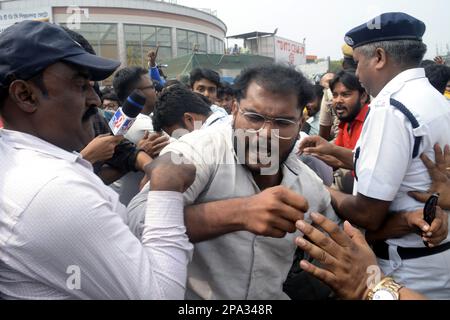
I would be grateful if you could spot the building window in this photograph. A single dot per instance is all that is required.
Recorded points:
(102, 37)
(139, 39)
(201, 40)
(190, 41)
(217, 46)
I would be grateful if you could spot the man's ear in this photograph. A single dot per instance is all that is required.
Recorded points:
(301, 120)
(234, 108)
(188, 120)
(23, 95)
(363, 98)
(381, 58)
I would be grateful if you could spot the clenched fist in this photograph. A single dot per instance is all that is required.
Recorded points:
(274, 212)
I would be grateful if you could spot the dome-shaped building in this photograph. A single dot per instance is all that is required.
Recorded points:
(126, 29)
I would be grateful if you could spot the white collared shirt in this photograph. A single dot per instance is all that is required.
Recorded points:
(216, 118)
(219, 110)
(385, 167)
(63, 233)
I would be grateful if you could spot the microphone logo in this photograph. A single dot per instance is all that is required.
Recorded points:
(125, 116)
(119, 121)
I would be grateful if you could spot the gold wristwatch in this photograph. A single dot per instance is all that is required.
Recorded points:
(386, 289)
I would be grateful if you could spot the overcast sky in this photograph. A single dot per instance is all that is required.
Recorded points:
(324, 22)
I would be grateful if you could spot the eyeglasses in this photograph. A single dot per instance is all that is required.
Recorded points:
(286, 128)
(110, 106)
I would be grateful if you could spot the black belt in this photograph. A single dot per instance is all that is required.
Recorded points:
(381, 250)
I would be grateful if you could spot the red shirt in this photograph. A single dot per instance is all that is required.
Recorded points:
(1, 123)
(349, 132)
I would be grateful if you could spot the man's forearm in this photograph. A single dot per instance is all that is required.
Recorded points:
(109, 174)
(345, 207)
(394, 226)
(344, 155)
(164, 238)
(142, 159)
(324, 132)
(155, 76)
(211, 220)
(364, 212)
(88, 155)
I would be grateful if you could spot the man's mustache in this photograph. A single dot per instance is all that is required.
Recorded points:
(89, 113)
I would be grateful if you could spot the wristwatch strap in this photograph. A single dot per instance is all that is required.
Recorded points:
(387, 283)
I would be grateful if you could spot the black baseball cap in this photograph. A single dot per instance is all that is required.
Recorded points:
(28, 47)
(386, 27)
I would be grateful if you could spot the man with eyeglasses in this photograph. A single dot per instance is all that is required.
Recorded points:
(125, 81)
(250, 189)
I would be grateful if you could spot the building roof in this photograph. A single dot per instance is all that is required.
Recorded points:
(251, 35)
(183, 65)
(159, 6)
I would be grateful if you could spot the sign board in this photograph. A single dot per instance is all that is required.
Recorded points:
(9, 17)
(289, 52)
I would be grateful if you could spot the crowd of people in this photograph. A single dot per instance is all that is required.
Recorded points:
(273, 187)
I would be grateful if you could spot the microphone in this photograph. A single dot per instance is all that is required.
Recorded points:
(125, 116)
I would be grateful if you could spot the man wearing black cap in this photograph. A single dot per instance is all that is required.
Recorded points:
(407, 118)
(63, 233)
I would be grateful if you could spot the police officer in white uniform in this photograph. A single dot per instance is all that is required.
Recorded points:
(407, 118)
